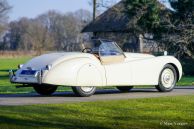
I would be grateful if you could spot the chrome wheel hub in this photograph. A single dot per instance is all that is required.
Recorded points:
(87, 89)
(168, 78)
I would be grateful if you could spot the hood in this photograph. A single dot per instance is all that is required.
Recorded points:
(40, 62)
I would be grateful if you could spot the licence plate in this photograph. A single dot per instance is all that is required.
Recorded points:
(28, 72)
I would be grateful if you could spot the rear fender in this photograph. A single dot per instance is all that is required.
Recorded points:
(89, 75)
(69, 73)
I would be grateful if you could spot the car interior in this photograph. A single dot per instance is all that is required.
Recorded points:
(108, 52)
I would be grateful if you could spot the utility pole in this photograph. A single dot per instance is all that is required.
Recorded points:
(94, 10)
(94, 14)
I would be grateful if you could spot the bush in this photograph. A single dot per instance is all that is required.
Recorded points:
(188, 66)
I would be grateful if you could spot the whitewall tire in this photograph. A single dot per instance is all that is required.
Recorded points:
(84, 91)
(167, 79)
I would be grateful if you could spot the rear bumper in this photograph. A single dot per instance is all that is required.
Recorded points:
(21, 79)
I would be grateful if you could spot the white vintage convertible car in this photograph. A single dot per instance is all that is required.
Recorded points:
(103, 64)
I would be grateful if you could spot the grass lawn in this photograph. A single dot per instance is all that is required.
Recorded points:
(186, 81)
(11, 63)
(154, 113)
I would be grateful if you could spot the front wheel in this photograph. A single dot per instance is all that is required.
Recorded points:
(84, 91)
(45, 89)
(167, 79)
(125, 88)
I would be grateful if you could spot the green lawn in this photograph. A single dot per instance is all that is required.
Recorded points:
(186, 81)
(11, 63)
(5, 65)
(154, 113)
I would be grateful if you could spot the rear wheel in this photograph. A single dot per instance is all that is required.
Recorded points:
(45, 89)
(84, 91)
(125, 88)
(168, 79)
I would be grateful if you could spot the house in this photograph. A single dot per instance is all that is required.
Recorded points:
(116, 25)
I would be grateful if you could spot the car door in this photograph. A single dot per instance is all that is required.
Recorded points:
(118, 72)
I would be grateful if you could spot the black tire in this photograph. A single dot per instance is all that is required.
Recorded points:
(161, 86)
(125, 88)
(81, 93)
(45, 89)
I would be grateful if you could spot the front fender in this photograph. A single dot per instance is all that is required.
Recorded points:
(147, 71)
(174, 62)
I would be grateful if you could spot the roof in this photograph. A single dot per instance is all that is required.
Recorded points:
(114, 19)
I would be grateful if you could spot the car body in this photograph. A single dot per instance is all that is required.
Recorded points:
(104, 64)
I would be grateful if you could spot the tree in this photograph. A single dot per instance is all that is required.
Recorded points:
(173, 30)
(49, 31)
(66, 28)
(178, 36)
(56, 24)
(53, 21)
(148, 15)
(83, 17)
(4, 9)
(148, 18)
(17, 30)
(38, 37)
(27, 34)
(183, 25)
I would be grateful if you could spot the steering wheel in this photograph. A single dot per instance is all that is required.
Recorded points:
(87, 50)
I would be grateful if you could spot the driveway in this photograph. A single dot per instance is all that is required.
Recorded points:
(101, 95)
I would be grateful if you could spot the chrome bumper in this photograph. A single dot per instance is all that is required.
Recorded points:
(36, 79)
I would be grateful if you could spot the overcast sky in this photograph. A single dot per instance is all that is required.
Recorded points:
(32, 8)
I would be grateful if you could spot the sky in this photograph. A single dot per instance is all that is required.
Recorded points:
(33, 8)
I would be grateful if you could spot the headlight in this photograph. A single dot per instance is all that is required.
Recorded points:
(20, 66)
(48, 67)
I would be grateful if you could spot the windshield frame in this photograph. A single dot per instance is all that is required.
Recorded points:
(118, 49)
